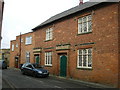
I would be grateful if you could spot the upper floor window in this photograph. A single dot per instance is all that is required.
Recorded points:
(48, 58)
(17, 45)
(12, 47)
(28, 40)
(85, 24)
(49, 34)
(84, 58)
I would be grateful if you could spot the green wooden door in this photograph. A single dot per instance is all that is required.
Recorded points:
(37, 59)
(63, 66)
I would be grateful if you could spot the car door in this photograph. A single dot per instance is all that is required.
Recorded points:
(29, 69)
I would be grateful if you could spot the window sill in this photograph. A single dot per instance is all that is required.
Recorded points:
(48, 40)
(27, 44)
(83, 33)
(48, 65)
(81, 68)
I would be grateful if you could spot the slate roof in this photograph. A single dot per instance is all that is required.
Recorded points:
(67, 12)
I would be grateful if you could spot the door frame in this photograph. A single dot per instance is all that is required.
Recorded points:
(60, 65)
(16, 61)
(35, 58)
(59, 53)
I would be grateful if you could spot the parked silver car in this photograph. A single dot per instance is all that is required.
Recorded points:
(29, 69)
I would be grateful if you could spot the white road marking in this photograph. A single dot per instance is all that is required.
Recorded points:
(57, 87)
(41, 81)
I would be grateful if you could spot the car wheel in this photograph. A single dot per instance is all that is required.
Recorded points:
(5, 67)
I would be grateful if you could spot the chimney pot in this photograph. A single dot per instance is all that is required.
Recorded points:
(81, 2)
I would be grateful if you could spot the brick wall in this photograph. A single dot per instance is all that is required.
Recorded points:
(119, 45)
(12, 54)
(1, 16)
(24, 48)
(105, 48)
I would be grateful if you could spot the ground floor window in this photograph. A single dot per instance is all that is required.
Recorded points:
(27, 56)
(48, 58)
(84, 58)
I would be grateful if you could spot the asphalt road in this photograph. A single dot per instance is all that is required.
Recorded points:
(5, 84)
(16, 80)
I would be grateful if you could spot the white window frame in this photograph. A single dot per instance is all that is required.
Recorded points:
(82, 56)
(16, 44)
(28, 40)
(27, 56)
(48, 58)
(12, 47)
(81, 24)
(49, 34)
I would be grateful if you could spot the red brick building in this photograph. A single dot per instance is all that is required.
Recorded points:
(1, 17)
(21, 49)
(81, 43)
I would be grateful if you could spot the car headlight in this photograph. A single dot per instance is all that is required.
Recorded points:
(40, 72)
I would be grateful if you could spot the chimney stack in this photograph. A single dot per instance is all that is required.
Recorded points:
(81, 2)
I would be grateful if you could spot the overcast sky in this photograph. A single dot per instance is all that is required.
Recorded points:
(23, 15)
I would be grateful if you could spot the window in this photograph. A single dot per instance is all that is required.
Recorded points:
(49, 34)
(84, 58)
(17, 45)
(28, 40)
(29, 66)
(85, 24)
(27, 56)
(48, 58)
(12, 47)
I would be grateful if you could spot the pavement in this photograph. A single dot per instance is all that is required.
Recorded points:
(89, 84)
(0, 79)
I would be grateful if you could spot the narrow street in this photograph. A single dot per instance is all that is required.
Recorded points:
(17, 80)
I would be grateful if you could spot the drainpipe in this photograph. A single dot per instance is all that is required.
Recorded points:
(20, 51)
